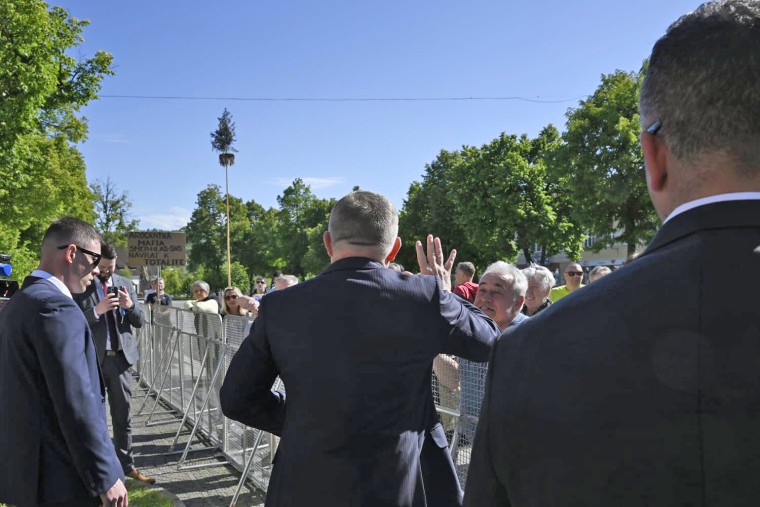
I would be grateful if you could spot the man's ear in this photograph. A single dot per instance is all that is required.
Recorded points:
(520, 303)
(327, 240)
(655, 161)
(394, 250)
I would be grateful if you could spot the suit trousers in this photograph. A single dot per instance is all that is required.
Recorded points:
(118, 381)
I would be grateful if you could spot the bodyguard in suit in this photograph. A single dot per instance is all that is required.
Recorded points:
(354, 347)
(110, 306)
(54, 443)
(644, 387)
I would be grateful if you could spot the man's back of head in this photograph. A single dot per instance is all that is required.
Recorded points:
(465, 272)
(68, 230)
(363, 224)
(701, 99)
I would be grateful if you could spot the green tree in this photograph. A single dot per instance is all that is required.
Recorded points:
(42, 90)
(113, 220)
(299, 214)
(429, 209)
(174, 280)
(222, 141)
(602, 164)
(205, 232)
(258, 247)
(240, 277)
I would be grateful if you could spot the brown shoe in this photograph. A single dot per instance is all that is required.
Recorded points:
(139, 476)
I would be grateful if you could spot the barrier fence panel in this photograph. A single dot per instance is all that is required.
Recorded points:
(184, 358)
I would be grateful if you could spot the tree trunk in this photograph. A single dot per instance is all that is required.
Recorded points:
(631, 249)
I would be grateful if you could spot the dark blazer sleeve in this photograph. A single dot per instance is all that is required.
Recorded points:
(484, 488)
(467, 332)
(246, 393)
(61, 349)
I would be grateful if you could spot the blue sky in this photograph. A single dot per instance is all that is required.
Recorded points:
(551, 53)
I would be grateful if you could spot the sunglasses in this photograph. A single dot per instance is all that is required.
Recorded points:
(574, 273)
(230, 296)
(260, 281)
(95, 256)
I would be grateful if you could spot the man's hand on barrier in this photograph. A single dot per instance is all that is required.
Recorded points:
(432, 263)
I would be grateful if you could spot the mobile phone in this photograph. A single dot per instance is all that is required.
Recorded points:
(114, 290)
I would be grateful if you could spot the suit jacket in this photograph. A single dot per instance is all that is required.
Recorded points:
(54, 439)
(642, 388)
(134, 317)
(354, 347)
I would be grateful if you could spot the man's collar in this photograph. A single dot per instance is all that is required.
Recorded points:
(734, 196)
(41, 273)
(353, 263)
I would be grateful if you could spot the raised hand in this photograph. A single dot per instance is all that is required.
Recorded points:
(431, 261)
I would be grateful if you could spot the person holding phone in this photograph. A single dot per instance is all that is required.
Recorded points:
(109, 304)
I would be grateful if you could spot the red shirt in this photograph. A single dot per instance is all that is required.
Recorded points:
(467, 290)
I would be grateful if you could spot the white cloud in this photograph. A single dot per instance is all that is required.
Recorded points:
(314, 182)
(177, 218)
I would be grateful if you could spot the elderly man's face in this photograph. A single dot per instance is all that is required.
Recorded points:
(495, 299)
(536, 295)
(573, 275)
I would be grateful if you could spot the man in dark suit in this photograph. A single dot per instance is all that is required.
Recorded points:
(654, 399)
(54, 439)
(354, 347)
(110, 305)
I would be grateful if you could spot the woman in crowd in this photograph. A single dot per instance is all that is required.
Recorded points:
(540, 283)
(231, 305)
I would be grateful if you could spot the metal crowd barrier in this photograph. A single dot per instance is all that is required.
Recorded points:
(184, 357)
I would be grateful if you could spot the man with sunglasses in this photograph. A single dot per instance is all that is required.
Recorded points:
(54, 438)
(110, 306)
(643, 388)
(573, 278)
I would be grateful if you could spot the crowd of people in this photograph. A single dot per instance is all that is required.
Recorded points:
(640, 388)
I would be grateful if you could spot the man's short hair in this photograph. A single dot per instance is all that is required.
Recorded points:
(599, 272)
(364, 219)
(467, 268)
(70, 230)
(107, 251)
(287, 280)
(543, 276)
(702, 84)
(511, 275)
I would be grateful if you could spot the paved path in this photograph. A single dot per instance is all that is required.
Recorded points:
(200, 487)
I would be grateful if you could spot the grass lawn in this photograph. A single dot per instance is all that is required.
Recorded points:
(140, 495)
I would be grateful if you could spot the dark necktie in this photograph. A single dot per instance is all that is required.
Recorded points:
(113, 335)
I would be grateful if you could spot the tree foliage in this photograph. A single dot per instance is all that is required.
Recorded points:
(42, 88)
(492, 202)
(112, 207)
(601, 162)
(288, 238)
(223, 138)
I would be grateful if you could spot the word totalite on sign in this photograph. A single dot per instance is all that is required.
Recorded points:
(156, 248)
